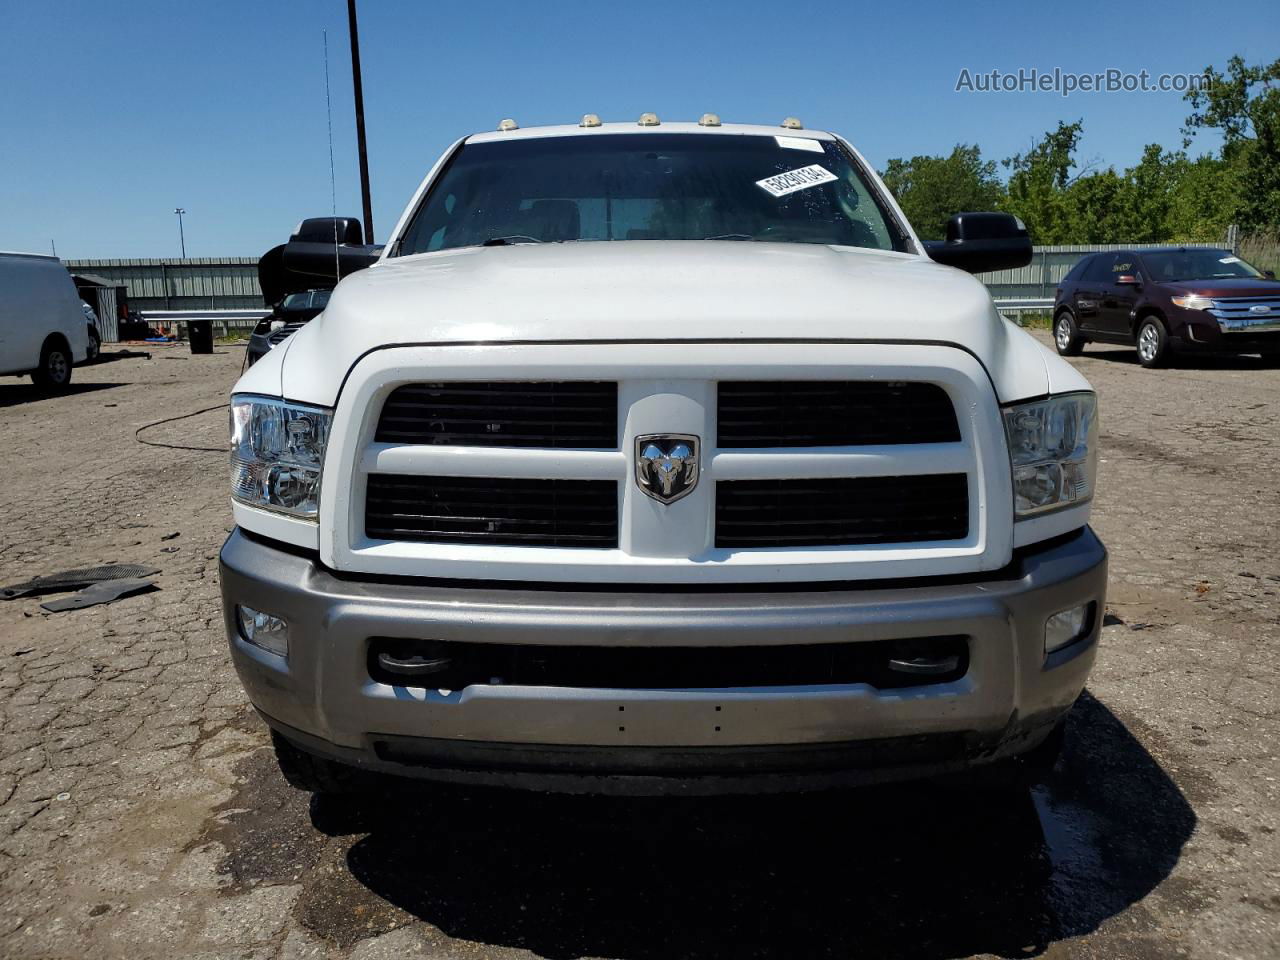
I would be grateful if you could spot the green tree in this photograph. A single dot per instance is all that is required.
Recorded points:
(930, 189)
(1038, 180)
(1243, 103)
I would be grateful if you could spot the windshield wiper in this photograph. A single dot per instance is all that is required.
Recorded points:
(731, 236)
(512, 239)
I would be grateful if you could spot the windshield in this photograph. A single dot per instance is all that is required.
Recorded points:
(650, 187)
(1169, 266)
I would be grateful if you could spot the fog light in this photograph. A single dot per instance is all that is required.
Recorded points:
(1065, 628)
(263, 630)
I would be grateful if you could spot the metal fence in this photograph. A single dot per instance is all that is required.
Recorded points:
(226, 288)
(194, 283)
(1040, 279)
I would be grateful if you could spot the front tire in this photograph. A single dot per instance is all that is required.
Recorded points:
(1152, 343)
(1066, 335)
(94, 348)
(54, 373)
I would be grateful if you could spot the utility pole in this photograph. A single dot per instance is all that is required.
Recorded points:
(360, 141)
(182, 237)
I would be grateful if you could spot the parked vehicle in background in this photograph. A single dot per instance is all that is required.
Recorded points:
(1169, 300)
(42, 323)
(662, 458)
(288, 317)
(93, 333)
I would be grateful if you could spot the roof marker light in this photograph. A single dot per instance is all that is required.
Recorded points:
(508, 124)
(648, 120)
(791, 123)
(709, 120)
(589, 120)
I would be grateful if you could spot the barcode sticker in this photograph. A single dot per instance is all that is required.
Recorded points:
(782, 184)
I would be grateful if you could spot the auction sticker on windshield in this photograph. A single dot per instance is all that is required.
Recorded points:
(781, 184)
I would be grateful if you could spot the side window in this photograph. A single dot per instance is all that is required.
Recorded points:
(1126, 264)
(1103, 268)
(1078, 271)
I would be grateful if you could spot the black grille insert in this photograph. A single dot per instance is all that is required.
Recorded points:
(801, 413)
(455, 665)
(556, 415)
(505, 512)
(841, 511)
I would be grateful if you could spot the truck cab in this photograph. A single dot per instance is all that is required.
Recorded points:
(662, 458)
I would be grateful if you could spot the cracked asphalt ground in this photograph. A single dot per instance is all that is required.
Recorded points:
(141, 813)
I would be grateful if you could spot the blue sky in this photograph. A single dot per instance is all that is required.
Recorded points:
(112, 114)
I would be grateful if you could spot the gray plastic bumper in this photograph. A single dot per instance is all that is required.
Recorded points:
(323, 697)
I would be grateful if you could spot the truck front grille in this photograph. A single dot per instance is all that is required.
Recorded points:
(842, 511)
(500, 511)
(801, 413)
(554, 415)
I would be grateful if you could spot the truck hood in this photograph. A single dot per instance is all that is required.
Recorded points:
(657, 290)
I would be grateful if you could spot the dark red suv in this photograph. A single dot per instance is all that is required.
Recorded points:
(1166, 300)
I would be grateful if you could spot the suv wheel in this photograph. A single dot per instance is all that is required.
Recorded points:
(1066, 335)
(1152, 343)
(54, 372)
(95, 347)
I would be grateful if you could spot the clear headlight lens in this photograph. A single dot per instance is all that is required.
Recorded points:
(277, 454)
(1193, 302)
(1053, 449)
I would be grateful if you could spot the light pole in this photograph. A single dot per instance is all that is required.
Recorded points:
(182, 237)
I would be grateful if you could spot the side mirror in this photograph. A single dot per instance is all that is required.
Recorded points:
(1128, 280)
(1269, 274)
(979, 242)
(328, 248)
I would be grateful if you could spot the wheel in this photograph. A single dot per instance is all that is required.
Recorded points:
(1152, 343)
(95, 347)
(306, 771)
(1066, 335)
(54, 372)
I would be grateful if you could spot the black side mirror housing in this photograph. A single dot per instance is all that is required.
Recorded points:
(1269, 274)
(319, 253)
(979, 242)
(329, 248)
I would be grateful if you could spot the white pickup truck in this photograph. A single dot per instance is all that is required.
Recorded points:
(661, 457)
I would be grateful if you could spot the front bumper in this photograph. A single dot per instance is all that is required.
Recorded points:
(652, 740)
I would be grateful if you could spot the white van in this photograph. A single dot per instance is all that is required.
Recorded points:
(42, 326)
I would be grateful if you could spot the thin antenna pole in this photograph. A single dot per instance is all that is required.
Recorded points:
(54, 246)
(333, 189)
(361, 146)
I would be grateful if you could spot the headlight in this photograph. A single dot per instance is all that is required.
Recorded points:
(277, 454)
(1053, 449)
(1193, 302)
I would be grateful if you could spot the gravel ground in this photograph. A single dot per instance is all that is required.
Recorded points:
(141, 813)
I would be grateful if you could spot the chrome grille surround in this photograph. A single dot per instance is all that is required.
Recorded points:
(1238, 314)
(667, 388)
